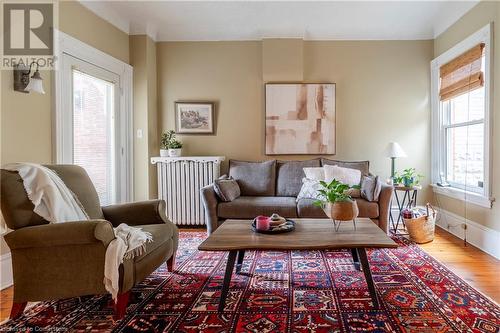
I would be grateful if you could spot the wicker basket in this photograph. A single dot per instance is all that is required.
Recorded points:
(421, 229)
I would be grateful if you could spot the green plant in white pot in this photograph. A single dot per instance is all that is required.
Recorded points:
(336, 202)
(169, 145)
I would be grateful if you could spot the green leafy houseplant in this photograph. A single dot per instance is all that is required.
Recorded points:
(332, 192)
(175, 144)
(336, 202)
(169, 141)
(408, 178)
(169, 145)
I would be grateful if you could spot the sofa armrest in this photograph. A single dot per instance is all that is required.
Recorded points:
(210, 202)
(136, 213)
(384, 203)
(61, 234)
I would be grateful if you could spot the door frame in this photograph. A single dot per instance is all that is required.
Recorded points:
(62, 135)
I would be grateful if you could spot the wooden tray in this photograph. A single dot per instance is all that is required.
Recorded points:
(289, 226)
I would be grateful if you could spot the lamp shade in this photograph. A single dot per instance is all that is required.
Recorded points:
(35, 84)
(394, 150)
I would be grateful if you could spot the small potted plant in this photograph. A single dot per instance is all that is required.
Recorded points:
(408, 178)
(169, 145)
(336, 202)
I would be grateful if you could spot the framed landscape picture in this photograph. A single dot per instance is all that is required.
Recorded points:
(300, 118)
(194, 117)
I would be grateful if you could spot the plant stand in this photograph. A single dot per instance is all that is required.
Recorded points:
(409, 200)
(337, 223)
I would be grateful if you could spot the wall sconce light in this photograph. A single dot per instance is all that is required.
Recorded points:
(23, 82)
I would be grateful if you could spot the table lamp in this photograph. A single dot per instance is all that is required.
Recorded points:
(394, 150)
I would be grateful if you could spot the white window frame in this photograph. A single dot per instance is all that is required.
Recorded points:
(438, 137)
(62, 136)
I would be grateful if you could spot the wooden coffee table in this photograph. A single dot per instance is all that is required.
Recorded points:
(236, 236)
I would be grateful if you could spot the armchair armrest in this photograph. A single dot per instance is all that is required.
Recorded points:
(60, 234)
(210, 202)
(384, 203)
(136, 213)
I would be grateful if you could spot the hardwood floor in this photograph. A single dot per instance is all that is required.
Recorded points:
(479, 269)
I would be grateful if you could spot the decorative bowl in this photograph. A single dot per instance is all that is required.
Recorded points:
(288, 226)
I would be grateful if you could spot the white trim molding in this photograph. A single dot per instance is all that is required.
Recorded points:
(459, 194)
(438, 139)
(6, 279)
(62, 136)
(482, 237)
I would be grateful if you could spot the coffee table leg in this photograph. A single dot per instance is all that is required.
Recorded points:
(355, 258)
(368, 276)
(239, 260)
(227, 279)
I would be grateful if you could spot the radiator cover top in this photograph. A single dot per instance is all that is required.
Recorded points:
(179, 182)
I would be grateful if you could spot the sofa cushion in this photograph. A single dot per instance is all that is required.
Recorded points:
(254, 178)
(347, 176)
(289, 176)
(161, 233)
(363, 166)
(370, 188)
(249, 207)
(316, 173)
(306, 209)
(310, 189)
(367, 208)
(226, 188)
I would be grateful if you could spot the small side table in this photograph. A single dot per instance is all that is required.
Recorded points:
(409, 200)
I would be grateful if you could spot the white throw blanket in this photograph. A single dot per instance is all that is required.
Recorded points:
(55, 202)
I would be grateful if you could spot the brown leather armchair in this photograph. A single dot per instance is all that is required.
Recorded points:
(61, 260)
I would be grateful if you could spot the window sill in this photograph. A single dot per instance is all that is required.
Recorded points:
(467, 196)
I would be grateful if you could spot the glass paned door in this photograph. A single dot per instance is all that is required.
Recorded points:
(93, 134)
(94, 131)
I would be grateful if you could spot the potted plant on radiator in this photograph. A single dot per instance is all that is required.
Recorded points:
(336, 202)
(169, 145)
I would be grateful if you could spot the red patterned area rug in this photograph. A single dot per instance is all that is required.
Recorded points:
(298, 291)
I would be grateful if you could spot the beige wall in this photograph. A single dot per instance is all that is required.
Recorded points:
(26, 119)
(482, 14)
(143, 59)
(227, 73)
(153, 146)
(382, 95)
(283, 59)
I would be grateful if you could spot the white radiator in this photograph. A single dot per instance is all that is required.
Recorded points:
(179, 182)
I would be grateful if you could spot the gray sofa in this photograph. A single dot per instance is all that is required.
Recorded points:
(272, 187)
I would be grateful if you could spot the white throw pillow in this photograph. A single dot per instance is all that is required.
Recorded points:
(317, 173)
(309, 189)
(345, 175)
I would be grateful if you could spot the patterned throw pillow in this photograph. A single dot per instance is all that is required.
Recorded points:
(370, 188)
(309, 189)
(227, 189)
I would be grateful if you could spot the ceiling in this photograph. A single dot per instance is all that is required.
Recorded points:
(255, 20)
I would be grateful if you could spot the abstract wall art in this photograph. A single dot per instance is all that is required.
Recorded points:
(300, 118)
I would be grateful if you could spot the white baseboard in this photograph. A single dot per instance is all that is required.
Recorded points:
(478, 235)
(484, 238)
(6, 271)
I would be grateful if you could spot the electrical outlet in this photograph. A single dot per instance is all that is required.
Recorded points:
(139, 133)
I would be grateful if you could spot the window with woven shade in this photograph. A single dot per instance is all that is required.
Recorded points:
(460, 113)
(462, 74)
